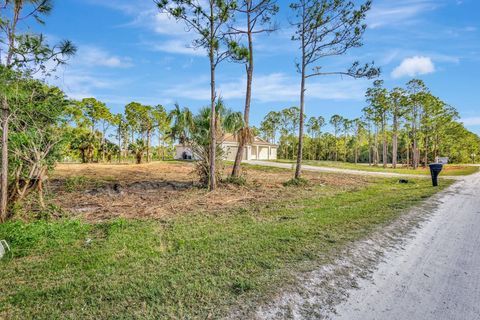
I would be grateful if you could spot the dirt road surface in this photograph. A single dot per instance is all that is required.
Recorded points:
(437, 275)
(426, 265)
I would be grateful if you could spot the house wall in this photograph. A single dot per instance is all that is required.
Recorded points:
(254, 152)
(230, 152)
(273, 153)
(263, 153)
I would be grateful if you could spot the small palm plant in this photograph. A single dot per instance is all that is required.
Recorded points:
(138, 149)
(194, 131)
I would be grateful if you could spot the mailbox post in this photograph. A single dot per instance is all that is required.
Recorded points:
(435, 169)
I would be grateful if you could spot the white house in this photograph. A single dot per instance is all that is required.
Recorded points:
(258, 150)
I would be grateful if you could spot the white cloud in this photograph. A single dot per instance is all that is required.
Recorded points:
(176, 37)
(94, 56)
(80, 77)
(80, 85)
(275, 87)
(414, 66)
(79, 82)
(177, 46)
(471, 121)
(391, 13)
(165, 24)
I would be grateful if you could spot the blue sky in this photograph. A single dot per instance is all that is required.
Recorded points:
(130, 52)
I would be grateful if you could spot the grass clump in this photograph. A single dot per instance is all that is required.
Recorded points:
(296, 182)
(76, 183)
(238, 181)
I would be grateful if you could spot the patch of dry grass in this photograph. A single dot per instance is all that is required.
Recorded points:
(163, 189)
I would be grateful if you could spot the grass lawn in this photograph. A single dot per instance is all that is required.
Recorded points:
(188, 266)
(448, 170)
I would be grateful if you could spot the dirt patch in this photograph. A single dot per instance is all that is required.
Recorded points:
(143, 186)
(163, 189)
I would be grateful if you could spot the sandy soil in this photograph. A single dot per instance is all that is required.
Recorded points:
(163, 189)
(423, 266)
(436, 275)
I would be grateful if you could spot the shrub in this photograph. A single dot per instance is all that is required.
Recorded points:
(300, 182)
(238, 181)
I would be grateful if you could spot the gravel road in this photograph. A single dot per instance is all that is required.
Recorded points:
(436, 275)
(425, 265)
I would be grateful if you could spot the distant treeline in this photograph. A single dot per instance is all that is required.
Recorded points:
(407, 125)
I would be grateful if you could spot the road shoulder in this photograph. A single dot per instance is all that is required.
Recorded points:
(319, 292)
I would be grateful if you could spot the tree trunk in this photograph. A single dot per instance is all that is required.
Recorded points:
(425, 157)
(395, 141)
(375, 146)
(415, 154)
(336, 146)
(356, 148)
(369, 145)
(119, 145)
(384, 146)
(298, 169)
(149, 133)
(248, 97)
(160, 145)
(103, 146)
(4, 162)
(213, 139)
(408, 154)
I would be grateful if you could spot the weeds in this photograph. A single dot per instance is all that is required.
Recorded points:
(76, 183)
(296, 182)
(238, 181)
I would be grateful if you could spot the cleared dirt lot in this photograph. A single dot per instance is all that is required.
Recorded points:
(98, 192)
(200, 255)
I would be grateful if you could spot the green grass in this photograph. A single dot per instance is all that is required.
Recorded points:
(195, 266)
(449, 169)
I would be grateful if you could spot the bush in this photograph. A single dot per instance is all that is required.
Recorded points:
(238, 181)
(300, 182)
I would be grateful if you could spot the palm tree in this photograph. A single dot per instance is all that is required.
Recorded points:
(199, 137)
(183, 124)
(138, 149)
(86, 143)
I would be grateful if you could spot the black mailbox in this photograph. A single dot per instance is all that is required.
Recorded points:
(435, 169)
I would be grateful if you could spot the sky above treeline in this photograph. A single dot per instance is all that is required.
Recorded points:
(128, 51)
